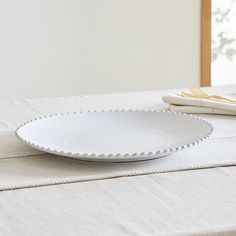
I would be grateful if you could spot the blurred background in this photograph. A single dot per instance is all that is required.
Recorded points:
(223, 68)
(57, 47)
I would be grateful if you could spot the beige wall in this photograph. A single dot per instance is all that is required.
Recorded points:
(67, 47)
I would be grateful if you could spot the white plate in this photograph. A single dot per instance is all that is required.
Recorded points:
(115, 136)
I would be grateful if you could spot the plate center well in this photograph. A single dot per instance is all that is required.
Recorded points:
(115, 141)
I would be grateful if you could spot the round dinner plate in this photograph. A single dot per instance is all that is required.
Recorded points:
(114, 136)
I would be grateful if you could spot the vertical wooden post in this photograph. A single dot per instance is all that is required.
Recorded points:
(206, 43)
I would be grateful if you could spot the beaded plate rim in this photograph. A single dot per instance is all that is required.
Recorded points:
(118, 157)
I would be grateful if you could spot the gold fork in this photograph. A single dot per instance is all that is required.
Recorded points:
(199, 93)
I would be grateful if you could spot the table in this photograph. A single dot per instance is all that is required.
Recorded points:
(196, 202)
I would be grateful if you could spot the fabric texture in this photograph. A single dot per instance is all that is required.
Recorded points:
(199, 110)
(199, 106)
(22, 166)
(32, 170)
(180, 203)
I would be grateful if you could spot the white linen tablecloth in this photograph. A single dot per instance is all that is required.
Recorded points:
(199, 202)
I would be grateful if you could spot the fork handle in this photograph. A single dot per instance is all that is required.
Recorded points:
(221, 98)
(211, 97)
(189, 95)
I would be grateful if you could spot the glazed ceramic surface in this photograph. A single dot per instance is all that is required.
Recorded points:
(114, 136)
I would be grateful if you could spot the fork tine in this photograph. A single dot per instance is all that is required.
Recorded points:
(192, 91)
(200, 93)
(195, 92)
(203, 92)
(190, 95)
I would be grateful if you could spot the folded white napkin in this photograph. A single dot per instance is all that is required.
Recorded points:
(198, 105)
